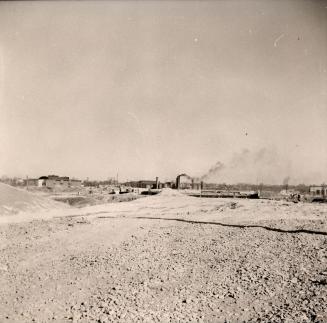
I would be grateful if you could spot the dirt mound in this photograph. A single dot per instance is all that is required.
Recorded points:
(170, 192)
(14, 201)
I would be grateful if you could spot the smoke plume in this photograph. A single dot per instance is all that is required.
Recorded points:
(264, 165)
(214, 170)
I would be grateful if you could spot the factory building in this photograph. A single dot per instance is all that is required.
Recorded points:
(183, 181)
(52, 181)
(318, 190)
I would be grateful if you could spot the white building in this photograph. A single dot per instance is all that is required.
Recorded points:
(318, 190)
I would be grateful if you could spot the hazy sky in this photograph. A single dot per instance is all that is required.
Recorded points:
(149, 88)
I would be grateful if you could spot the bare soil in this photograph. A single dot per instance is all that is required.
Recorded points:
(167, 258)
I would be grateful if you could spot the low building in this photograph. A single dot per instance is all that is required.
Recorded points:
(142, 184)
(31, 182)
(75, 183)
(54, 181)
(318, 190)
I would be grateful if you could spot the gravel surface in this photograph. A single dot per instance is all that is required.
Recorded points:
(122, 269)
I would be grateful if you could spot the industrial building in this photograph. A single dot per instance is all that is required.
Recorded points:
(318, 190)
(145, 184)
(31, 182)
(184, 181)
(52, 181)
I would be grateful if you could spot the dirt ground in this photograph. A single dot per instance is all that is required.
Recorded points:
(166, 258)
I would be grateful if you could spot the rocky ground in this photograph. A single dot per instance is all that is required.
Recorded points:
(108, 266)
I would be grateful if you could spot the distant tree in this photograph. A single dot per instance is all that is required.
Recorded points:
(302, 188)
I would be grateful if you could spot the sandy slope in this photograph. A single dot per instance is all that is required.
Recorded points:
(133, 261)
(14, 201)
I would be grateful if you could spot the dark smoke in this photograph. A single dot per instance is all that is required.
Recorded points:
(248, 166)
(214, 170)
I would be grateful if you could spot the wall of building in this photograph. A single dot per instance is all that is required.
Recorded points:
(318, 190)
(75, 183)
(41, 182)
(31, 182)
(53, 181)
(186, 182)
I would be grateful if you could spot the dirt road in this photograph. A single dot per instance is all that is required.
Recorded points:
(104, 265)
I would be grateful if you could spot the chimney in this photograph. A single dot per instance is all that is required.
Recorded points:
(157, 182)
(178, 178)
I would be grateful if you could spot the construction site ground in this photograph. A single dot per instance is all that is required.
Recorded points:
(166, 258)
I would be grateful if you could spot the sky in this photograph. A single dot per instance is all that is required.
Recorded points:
(149, 88)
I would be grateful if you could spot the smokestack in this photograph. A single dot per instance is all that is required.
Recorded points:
(157, 182)
(285, 182)
(178, 181)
